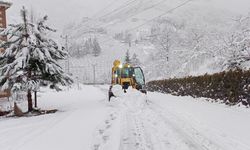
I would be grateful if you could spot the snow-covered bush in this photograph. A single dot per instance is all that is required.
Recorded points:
(237, 43)
(84, 47)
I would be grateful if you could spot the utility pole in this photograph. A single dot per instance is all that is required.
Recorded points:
(67, 49)
(94, 71)
(78, 84)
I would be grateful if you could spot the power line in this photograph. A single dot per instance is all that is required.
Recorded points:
(127, 3)
(109, 5)
(119, 8)
(145, 9)
(163, 14)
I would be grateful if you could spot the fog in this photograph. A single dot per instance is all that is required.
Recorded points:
(62, 12)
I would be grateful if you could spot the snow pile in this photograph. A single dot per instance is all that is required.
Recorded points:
(6, 1)
(132, 99)
(118, 91)
(4, 105)
(124, 94)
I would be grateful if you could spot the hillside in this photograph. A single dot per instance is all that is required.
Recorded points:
(211, 20)
(195, 18)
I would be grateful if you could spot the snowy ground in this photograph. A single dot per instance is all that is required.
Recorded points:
(86, 120)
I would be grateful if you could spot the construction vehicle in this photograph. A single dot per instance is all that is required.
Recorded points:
(127, 75)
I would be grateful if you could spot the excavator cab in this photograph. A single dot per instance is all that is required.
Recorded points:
(139, 78)
(126, 75)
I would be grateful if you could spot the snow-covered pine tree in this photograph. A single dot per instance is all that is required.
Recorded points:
(135, 60)
(51, 53)
(90, 43)
(30, 57)
(127, 57)
(128, 39)
(86, 48)
(96, 48)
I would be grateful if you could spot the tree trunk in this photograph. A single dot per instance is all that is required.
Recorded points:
(35, 93)
(29, 95)
(35, 99)
(30, 105)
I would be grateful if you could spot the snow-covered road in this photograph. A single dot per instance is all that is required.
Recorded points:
(87, 121)
(150, 123)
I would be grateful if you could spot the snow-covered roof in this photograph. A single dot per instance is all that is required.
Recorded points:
(5, 3)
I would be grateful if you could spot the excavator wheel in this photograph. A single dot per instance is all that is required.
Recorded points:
(143, 91)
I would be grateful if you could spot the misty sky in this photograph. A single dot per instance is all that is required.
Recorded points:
(63, 11)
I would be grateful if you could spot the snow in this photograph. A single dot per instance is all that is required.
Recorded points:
(117, 91)
(225, 126)
(200, 33)
(132, 121)
(71, 128)
(6, 1)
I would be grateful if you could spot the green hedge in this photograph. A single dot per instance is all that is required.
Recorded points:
(232, 87)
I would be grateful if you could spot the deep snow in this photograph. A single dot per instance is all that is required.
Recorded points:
(132, 121)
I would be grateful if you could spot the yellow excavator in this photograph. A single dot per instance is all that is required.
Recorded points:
(127, 75)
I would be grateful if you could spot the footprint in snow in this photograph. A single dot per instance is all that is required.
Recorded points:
(125, 139)
(106, 121)
(105, 138)
(137, 144)
(108, 126)
(101, 131)
(96, 146)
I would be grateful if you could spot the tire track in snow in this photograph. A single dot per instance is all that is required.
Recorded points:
(190, 135)
(164, 136)
(134, 134)
(210, 139)
(143, 129)
(148, 127)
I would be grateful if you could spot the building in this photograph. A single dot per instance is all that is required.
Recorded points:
(3, 21)
(4, 5)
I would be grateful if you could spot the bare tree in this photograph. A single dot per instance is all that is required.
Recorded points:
(237, 43)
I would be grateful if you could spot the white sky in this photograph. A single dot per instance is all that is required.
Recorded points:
(239, 6)
(61, 12)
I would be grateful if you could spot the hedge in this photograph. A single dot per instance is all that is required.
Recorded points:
(232, 87)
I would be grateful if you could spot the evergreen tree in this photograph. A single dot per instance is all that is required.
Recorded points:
(90, 45)
(135, 61)
(30, 57)
(128, 39)
(127, 57)
(86, 48)
(96, 48)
